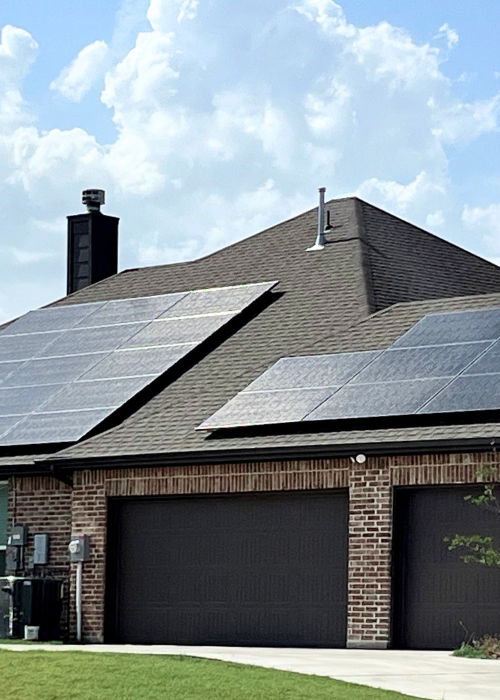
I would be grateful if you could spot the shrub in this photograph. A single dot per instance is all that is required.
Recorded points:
(487, 647)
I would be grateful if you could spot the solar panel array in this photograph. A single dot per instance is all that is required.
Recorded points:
(64, 369)
(445, 363)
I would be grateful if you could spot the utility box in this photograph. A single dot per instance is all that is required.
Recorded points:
(41, 549)
(13, 558)
(18, 536)
(79, 548)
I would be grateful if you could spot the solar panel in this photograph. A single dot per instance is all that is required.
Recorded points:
(102, 393)
(177, 330)
(266, 407)
(6, 369)
(217, 300)
(412, 376)
(377, 400)
(312, 371)
(467, 393)
(43, 428)
(24, 347)
(458, 327)
(8, 422)
(81, 341)
(488, 363)
(132, 310)
(55, 370)
(55, 318)
(22, 400)
(420, 363)
(64, 369)
(139, 363)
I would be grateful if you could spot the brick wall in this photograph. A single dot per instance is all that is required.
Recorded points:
(47, 505)
(44, 505)
(370, 539)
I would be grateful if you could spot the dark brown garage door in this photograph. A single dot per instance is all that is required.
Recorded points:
(435, 592)
(267, 569)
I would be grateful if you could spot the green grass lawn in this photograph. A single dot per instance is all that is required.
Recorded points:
(73, 675)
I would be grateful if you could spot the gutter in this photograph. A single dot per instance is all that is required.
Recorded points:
(62, 468)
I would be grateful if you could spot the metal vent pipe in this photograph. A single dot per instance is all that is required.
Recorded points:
(320, 238)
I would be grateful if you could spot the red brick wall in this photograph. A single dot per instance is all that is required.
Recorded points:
(46, 505)
(370, 539)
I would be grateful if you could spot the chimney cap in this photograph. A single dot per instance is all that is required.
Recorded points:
(93, 199)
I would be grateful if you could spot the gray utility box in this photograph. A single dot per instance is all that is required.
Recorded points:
(79, 548)
(41, 549)
(18, 536)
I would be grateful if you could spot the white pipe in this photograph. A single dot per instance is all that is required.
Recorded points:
(320, 238)
(79, 571)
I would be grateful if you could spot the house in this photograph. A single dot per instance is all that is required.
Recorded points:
(279, 532)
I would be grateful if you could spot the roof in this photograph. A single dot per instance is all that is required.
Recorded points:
(361, 292)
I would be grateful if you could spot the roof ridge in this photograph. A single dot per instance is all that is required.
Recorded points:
(236, 243)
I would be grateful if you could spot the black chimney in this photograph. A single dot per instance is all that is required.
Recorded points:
(92, 243)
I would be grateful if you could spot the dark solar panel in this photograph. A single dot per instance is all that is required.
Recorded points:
(132, 310)
(312, 371)
(43, 428)
(138, 363)
(266, 407)
(377, 400)
(64, 369)
(91, 340)
(55, 318)
(420, 363)
(489, 363)
(102, 393)
(21, 400)
(174, 331)
(8, 422)
(55, 370)
(225, 299)
(467, 393)
(7, 368)
(24, 347)
(458, 327)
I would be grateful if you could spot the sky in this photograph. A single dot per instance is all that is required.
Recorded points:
(209, 120)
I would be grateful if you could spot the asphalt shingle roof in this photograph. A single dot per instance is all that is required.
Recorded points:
(322, 304)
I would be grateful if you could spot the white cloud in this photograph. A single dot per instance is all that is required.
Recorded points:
(400, 196)
(220, 133)
(26, 257)
(83, 72)
(486, 220)
(450, 35)
(435, 220)
(18, 50)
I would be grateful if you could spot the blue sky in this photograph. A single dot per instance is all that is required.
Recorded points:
(206, 121)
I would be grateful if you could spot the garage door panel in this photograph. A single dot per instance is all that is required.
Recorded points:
(439, 600)
(251, 625)
(249, 569)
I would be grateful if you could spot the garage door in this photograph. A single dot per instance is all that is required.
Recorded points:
(267, 569)
(439, 599)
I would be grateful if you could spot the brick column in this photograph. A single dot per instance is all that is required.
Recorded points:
(89, 518)
(370, 533)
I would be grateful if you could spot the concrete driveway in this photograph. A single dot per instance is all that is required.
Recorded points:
(425, 674)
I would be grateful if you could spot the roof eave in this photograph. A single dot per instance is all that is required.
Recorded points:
(269, 454)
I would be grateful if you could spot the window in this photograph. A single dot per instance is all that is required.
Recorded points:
(4, 492)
